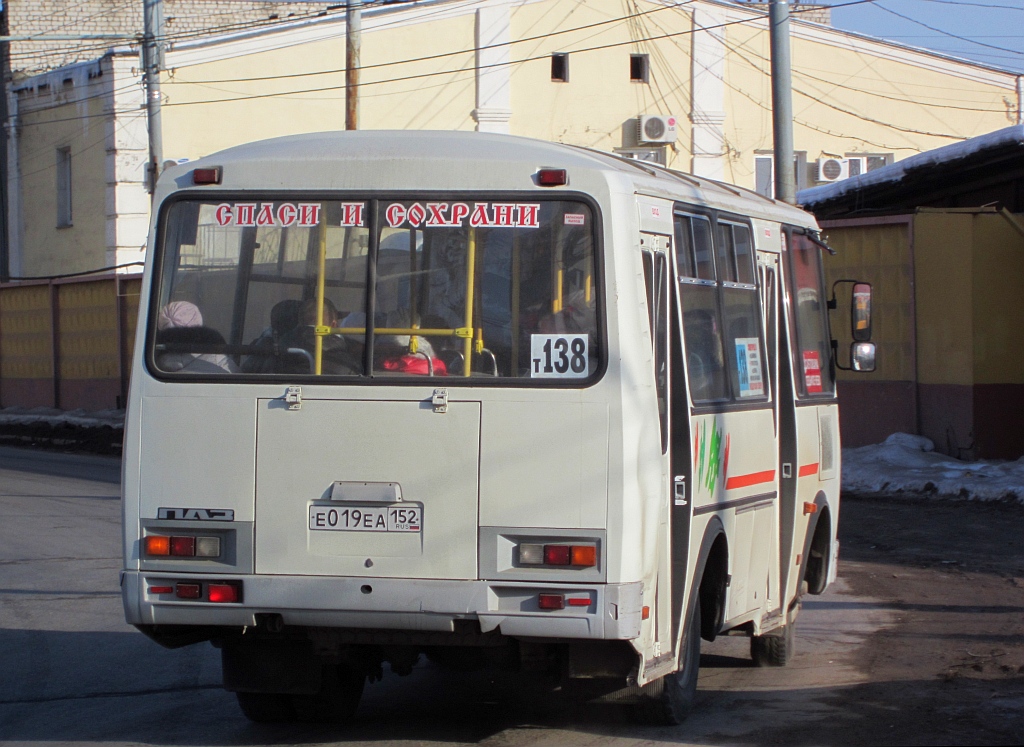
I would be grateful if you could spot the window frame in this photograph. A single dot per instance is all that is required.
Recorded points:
(643, 61)
(796, 340)
(373, 198)
(560, 58)
(716, 219)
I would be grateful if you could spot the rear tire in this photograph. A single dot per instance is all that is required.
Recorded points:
(341, 688)
(267, 708)
(775, 649)
(668, 701)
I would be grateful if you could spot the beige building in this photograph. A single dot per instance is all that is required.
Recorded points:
(685, 84)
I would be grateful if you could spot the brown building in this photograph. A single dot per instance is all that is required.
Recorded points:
(941, 238)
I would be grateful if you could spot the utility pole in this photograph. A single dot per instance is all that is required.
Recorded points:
(782, 101)
(152, 60)
(353, 32)
(5, 246)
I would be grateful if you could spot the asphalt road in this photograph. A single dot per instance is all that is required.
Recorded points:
(72, 672)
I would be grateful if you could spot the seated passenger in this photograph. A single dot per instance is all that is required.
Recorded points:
(336, 358)
(180, 324)
(284, 317)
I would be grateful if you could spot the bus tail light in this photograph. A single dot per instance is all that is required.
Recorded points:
(551, 601)
(580, 556)
(182, 546)
(557, 555)
(156, 545)
(225, 593)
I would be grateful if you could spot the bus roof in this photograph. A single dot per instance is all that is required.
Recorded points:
(455, 161)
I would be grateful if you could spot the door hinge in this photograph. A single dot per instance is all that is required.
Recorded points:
(440, 400)
(294, 397)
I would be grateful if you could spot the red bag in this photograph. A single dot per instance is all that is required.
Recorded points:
(415, 364)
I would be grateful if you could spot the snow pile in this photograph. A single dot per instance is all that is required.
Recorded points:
(908, 464)
(54, 417)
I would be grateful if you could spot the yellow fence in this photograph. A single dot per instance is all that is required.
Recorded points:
(67, 343)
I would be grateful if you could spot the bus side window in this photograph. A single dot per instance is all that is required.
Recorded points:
(702, 328)
(744, 336)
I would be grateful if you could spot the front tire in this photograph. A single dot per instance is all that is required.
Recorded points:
(668, 701)
(775, 649)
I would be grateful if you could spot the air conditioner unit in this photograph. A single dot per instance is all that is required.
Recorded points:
(833, 169)
(656, 128)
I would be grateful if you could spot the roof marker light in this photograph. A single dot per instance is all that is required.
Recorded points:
(552, 177)
(207, 176)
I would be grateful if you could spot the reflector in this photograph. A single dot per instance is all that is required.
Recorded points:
(579, 601)
(158, 545)
(183, 546)
(557, 555)
(585, 555)
(161, 589)
(223, 592)
(552, 177)
(188, 591)
(551, 601)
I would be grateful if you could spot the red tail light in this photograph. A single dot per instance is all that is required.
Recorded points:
(557, 555)
(188, 591)
(183, 546)
(225, 593)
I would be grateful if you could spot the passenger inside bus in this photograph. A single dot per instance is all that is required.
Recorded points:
(284, 317)
(337, 357)
(179, 327)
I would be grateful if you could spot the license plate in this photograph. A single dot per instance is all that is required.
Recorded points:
(349, 518)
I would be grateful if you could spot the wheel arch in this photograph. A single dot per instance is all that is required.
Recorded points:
(817, 549)
(712, 570)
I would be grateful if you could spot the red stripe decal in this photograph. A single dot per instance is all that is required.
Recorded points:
(745, 481)
(808, 469)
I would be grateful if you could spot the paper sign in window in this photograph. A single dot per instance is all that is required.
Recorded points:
(748, 367)
(812, 372)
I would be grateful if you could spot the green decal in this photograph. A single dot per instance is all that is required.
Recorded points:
(709, 455)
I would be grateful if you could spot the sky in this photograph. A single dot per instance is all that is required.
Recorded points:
(986, 31)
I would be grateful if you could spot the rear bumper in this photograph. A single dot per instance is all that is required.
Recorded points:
(612, 613)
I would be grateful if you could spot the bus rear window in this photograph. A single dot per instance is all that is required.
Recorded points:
(388, 289)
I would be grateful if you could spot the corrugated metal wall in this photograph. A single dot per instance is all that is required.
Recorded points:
(67, 343)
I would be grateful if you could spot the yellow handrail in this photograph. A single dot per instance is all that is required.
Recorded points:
(318, 346)
(467, 351)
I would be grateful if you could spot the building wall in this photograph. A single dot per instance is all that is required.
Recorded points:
(182, 19)
(878, 251)
(65, 113)
(947, 313)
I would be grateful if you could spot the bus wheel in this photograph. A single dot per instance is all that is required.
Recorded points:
(775, 649)
(266, 708)
(669, 700)
(341, 688)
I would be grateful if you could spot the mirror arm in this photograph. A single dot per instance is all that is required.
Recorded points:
(835, 358)
(831, 303)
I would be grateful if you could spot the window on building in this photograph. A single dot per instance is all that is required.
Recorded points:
(639, 68)
(868, 161)
(764, 172)
(63, 187)
(560, 67)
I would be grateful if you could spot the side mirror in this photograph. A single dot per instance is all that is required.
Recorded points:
(862, 356)
(860, 314)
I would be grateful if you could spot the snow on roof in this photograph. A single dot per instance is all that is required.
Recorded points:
(896, 172)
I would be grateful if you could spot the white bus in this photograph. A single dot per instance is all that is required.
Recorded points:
(480, 398)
